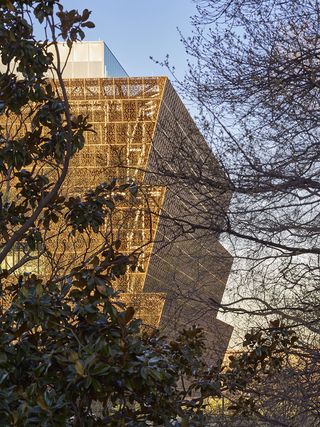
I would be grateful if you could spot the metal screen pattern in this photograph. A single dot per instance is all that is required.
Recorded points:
(144, 134)
(123, 113)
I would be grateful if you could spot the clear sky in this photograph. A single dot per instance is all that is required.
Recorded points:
(136, 29)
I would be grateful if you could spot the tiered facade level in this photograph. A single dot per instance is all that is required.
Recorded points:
(144, 134)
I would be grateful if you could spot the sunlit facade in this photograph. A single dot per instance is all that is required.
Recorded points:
(140, 128)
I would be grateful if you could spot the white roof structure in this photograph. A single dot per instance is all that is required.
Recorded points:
(89, 60)
(85, 60)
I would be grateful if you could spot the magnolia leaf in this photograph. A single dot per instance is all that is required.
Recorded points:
(127, 316)
(102, 289)
(8, 4)
(41, 402)
(3, 358)
(79, 368)
(73, 356)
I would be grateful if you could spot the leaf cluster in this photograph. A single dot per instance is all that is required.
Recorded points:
(72, 354)
(267, 352)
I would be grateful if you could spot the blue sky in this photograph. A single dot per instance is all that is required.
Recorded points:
(137, 29)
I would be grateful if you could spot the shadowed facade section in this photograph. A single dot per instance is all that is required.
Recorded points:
(188, 264)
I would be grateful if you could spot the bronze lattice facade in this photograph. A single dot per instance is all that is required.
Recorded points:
(143, 133)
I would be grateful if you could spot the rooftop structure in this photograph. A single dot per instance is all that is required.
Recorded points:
(89, 59)
(86, 59)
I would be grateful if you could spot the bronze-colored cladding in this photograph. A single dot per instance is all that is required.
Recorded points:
(192, 271)
(123, 113)
(144, 133)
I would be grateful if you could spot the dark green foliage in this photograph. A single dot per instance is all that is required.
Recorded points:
(38, 133)
(66, 347)
(91, 211)
(266, 355)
